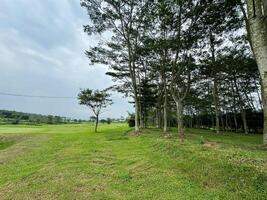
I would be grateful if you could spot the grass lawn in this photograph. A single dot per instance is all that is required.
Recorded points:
(72, 162)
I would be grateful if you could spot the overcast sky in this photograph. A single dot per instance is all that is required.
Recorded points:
(42, 48)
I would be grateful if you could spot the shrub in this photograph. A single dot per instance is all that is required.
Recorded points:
(131, 120)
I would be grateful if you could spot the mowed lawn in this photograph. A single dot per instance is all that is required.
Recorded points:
(72, 162)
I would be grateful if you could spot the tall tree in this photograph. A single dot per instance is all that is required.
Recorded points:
(125, 21)
(182, 36)
(241, 73)
(219, 19)
(257, 28)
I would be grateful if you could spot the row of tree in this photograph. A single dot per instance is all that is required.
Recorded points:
(194, 57)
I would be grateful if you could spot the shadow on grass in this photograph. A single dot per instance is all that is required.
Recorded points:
(5, 144)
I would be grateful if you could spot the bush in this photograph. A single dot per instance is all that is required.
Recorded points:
(131, 120)
(131, 123)
(15, 121)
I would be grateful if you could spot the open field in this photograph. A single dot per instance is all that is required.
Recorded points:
(72, 162)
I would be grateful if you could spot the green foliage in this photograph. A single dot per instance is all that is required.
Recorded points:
(131, 119)
(96, 100)
(103, 121)
(109, 121)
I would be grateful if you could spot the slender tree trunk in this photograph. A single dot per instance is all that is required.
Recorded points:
(157, 118)
(165, 116)
(212, 121)
(180, 119)
(258, 32)
(132, 70)
(235, 121)
(96, 123)
(141, 117)
(160, 118)
(216, 104)
(265, 112)
(226, 122)
(244, 120)
(136, 128)
(164, 82)
(215, 84)
(222, 122)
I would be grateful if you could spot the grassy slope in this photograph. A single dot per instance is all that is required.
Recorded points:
(71, 162)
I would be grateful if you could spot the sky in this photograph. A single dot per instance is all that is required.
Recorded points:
(42, 47)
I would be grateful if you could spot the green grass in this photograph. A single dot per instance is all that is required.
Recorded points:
(5, 144)
(72, 162)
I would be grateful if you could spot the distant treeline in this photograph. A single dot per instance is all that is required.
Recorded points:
(13, 117)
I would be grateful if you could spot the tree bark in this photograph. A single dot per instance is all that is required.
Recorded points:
(226, 122)
(215, 84)
(165, 116)
(235, 121)
(258, 32)
(212, 121)
(136, 127)
(216, 104)
(180, 119)
(244, 120)
(241, 105)
(222, 122)
(141, 116)
(157, 118)
(96, 123)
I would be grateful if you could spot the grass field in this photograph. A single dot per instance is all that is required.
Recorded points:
(72, 162)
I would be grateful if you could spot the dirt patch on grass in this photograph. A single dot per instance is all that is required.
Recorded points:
(140, 167)
(103, 158)
(134, 134)
(212, 145)
(167, 136)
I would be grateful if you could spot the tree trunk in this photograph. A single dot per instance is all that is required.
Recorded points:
(180, 122)
(260, 94)
(141, 117)
(212, 121)
(216, 104)
(136, 128)
(165, 116)
(157, 118)
(265, 111)
(258, 33)
(222, 122)
(96, 123)
(244, 120)
(226, 122)
(235, 121)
